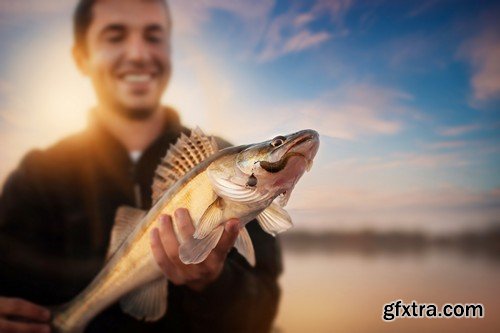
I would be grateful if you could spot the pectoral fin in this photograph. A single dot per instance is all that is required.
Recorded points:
(274, 219)
(194, 250)
(210, 218)
(244, 246)
(148, 302)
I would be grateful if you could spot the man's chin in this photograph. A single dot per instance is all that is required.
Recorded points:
(137, 113)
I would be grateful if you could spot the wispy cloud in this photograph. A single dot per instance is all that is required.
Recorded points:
(291, 31)
(422, 7)
(443, 209)
(458, 130)
(355, 111)
(189, 16)
(350, 112)
(416, 52)
(268, 36)
(483, 54)
(401, 161)
(446, 144)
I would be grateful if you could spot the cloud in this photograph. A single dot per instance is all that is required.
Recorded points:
(422, 7)
(304, 40)
(350, 112)
(483, 54)
(458, 130)
(397, 161)
(441, 210)
(355, 111)
(189, 16)
(291, 31)
(446, 145)
(267, 36)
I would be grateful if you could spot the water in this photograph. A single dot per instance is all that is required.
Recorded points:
(345, 291)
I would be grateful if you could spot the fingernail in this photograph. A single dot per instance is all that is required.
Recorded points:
(164, 219)
(179, 212)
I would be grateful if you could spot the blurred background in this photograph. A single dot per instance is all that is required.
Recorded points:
(403, 201)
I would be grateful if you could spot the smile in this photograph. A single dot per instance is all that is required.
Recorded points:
(137, 78)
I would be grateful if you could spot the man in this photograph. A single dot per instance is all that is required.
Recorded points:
(57, 207)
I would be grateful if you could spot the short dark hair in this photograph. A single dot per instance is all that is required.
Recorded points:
(82, 17)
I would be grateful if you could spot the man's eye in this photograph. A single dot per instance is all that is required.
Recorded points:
(114, 38)
(154, 39)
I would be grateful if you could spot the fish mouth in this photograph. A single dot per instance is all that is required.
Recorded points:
(279, 165)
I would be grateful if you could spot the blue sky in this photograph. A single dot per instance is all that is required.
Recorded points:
(405, 95)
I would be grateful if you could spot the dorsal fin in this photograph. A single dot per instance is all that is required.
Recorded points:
(187, 153)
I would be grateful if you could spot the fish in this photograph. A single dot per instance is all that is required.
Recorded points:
(247, 182)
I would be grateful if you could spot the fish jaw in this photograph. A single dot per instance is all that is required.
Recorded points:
(303, 144)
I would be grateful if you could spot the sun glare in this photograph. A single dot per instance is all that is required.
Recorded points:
(51, 98)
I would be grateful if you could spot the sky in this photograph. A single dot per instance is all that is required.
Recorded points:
(405, 96)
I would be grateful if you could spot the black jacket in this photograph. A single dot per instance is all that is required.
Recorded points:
(56, 212)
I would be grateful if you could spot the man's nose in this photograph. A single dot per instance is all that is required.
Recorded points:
(137, 49)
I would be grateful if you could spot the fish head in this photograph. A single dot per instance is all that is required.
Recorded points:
(281, 161)
(269, 169)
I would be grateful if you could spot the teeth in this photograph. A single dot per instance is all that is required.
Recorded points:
(137, 77)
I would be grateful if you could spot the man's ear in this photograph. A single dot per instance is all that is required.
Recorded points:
(81, 59)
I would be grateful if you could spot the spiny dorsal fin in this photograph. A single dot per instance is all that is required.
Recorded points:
(187, 153)
(126, 220)
(148, 302)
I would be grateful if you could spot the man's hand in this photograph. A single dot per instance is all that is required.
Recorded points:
(165, 247)
(20, 316)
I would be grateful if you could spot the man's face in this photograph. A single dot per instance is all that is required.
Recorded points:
(128, 55)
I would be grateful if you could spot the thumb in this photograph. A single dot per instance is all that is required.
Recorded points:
(228, 238)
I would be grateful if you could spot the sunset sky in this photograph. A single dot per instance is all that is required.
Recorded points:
(405, 95)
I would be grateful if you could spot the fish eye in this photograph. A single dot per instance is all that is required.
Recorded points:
(278, 141)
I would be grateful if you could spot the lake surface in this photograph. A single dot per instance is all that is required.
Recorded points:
(346, 291)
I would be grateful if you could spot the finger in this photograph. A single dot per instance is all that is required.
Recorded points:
(168, 239)
(228, 238)
(160, 256)
(20, 327)
(7, 326)
(23, 308)
(185, 224)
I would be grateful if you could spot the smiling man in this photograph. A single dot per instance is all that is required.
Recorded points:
(57, 208)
